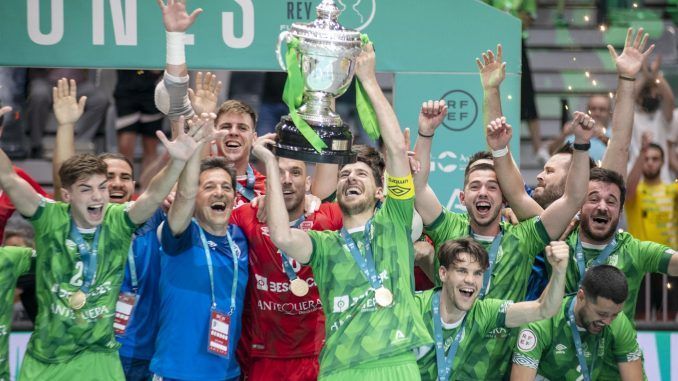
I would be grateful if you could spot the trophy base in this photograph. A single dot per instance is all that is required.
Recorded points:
(293, 145)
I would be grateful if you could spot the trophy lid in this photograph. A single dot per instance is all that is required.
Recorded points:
(326, 28)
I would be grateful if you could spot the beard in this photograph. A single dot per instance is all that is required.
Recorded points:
(355, 208)
(606, 235)
(652, 175)
(548, 195)
(490, 221)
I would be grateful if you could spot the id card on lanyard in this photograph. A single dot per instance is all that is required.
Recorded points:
(124, 308)
(220, 322)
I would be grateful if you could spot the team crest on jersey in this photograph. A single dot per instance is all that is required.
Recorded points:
(262, 282)
(341, 303)
(527, 340)
(613, 260)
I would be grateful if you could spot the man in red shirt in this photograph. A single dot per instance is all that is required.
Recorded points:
(286, 326)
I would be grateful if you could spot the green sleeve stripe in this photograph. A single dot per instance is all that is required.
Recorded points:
(541, 230)
(439, 220)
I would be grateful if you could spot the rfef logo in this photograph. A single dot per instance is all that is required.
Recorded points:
(462, 110)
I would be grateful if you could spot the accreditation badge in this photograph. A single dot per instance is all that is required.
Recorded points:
(220, 324)
(123, 311)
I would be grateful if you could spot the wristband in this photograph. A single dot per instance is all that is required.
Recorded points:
(176, 54)
(626, 78)
(424, 135)
(581, 146)
(500, 152)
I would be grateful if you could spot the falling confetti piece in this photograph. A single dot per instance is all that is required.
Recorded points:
(586, 18)
(594, 83)
(587, 74)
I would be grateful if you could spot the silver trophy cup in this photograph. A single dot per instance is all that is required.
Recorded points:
(327, 56)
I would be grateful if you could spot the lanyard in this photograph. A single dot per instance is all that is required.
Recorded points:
(577, 343)
(443, 361)
(89, 258)
(208, 257)
(285, 261)
(248, 191)
(600, 259)
(132, 267)
(365, 263)
(492, 257)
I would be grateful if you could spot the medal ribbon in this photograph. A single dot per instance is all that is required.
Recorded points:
(365, 263)
(444, 361)
(208, 257)
(600, 259)
(132, 268)
(248, 191)
(89, 257)
(285, 261)
(492, 258)
(585, 371)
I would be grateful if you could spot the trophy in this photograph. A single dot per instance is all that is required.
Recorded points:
(323, 55)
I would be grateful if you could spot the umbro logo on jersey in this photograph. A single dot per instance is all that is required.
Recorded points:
(262, 282)
(211, 244)
(399, 336)
(341, 303)
(560, 349)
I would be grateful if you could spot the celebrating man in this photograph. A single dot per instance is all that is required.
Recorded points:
(364, 273)
(459, 321)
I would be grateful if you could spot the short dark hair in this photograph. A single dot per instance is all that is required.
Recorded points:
(568, 149)
(373, 159)
(609, 176)
(81, 166)
(218, 162)
(472, 167)
(658, 148)
(451, 250)
(238, 107)
(607, 282)
(117, 156)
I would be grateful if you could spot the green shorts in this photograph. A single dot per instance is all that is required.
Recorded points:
(87, 366)
(402, 367)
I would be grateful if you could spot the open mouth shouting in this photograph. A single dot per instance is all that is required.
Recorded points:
(218, 206)
(232, 145)
(483, 207)
(95, 212)
(600, 221)
(117, 195)
(352, 191)
(467, 293)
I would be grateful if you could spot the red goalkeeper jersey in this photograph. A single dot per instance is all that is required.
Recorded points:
(276, 322)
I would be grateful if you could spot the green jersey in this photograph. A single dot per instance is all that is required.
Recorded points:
(471, 361)
(520, 244)
(548, 346)
(14, 261)
(61, 332)
(633, 257)
(357, 330)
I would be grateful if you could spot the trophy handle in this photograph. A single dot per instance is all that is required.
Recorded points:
(278, 50)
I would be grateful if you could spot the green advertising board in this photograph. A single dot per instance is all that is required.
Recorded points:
(429, 45)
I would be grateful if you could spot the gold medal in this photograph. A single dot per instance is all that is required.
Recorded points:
(77, 300)
(299, 287)
(383, 296)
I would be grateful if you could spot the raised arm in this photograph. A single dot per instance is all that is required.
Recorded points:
(180, 150)
(548, 304)
(25, 199)
(628, 65)
(499, 135)
(558, 215)
(397, 163)
(492, 74)
(172, 92)
(67, 110)
(324, 182)
(181, 211)
(637, 170)
(294, 242)
(425, 201)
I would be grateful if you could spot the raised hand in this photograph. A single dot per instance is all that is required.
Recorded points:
(186, 142)
(365, 64)
(492, 69)
(175, 17)
(431, 115)
(260, 148)
(583, 127)
(67, 108)
(499, 134)
(3, 110)
(207, 90)
(632, 57)
(558, 255)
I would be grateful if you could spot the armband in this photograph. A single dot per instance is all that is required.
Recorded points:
(400, 188)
